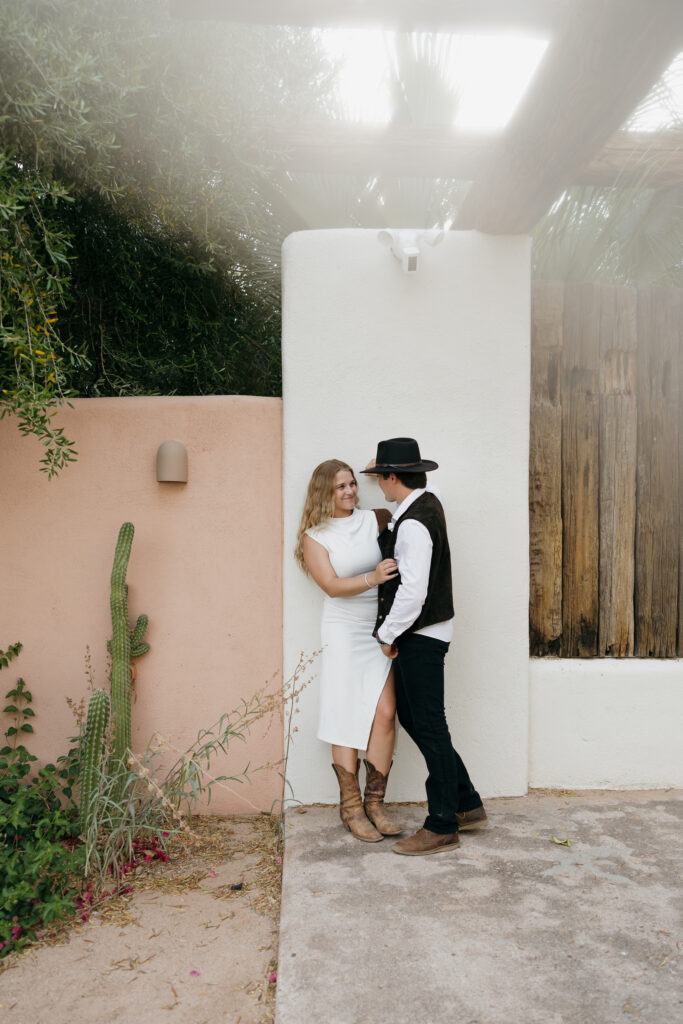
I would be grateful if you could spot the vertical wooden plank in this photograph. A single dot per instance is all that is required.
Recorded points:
(680, 475)
(545, 465)
(658, 515)
(580, 412)
(617, 470)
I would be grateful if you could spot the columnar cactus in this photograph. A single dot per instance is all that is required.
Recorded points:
(100, 752)
(120, 649)
(92, 755)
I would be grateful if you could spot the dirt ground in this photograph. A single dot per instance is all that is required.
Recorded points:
(195, 942)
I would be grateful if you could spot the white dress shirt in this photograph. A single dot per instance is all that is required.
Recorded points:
(413, 554)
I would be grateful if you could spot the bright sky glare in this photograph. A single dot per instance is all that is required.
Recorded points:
(488, 73)
(660, 111)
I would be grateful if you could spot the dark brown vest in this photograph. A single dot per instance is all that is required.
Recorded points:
(438, 605)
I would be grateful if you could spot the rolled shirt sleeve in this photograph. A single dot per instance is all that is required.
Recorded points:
(413, 554)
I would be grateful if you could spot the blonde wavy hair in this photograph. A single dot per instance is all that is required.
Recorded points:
(319, 504)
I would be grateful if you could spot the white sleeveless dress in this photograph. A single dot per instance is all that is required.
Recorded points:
(353, 670)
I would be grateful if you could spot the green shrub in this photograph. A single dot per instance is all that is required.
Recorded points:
(40, 862)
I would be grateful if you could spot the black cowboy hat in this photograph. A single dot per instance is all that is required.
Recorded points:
(400, 455)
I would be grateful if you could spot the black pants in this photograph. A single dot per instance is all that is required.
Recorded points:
(418, 673)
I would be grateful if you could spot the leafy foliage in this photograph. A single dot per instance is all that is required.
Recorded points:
(129, 156)
(38, 823)
(159, 320)
(628, 235)
(34, 268)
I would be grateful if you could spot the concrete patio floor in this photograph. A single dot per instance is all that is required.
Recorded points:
(510, 928)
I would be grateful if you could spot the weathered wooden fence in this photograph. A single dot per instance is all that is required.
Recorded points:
(606, 471)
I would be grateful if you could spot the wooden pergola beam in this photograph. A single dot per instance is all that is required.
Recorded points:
(539, 16)
(629, 157)
(435, 151)
(342, 147)
(592, 76)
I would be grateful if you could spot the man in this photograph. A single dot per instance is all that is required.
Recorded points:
(414, 627)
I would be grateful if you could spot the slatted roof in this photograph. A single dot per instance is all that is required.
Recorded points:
(603, 58)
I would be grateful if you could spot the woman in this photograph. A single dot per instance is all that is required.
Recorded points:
(337, 546)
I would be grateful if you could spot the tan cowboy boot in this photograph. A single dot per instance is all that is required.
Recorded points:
(373, 802)
(351, 808)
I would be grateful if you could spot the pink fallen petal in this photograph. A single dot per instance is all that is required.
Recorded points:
(212, 874)
(278, 860)
(272, 977)
(194, 974)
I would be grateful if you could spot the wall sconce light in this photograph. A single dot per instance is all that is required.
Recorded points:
(172, 463)
(405, 245)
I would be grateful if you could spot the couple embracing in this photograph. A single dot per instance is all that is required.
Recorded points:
(386, 626)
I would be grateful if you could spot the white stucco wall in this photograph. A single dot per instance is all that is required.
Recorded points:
(605, 724)
(443, 355)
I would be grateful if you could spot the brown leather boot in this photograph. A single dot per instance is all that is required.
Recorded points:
(351, 807)
(373, 801)
(424, 842)
(475, 818)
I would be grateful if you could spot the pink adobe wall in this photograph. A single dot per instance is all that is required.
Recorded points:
(205, 566)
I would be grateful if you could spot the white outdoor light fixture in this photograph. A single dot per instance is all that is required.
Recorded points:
(405, 245)
(172, 463)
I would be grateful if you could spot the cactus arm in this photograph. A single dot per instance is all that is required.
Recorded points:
(138, 633)
(137, 645)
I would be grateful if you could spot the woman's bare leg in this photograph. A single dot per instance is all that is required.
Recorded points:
(383, 733)
(345, 757)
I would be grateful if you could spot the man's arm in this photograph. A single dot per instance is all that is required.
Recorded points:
(318, 564)
(413, 553)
